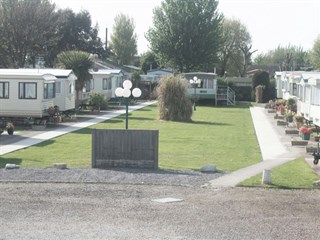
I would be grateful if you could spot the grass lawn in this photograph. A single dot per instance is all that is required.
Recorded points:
(221, 135)
(291, 175)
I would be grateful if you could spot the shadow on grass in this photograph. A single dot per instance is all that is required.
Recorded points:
(142, 118)
(4, 161)
(159, 171)
(44, 144)
(209, 123)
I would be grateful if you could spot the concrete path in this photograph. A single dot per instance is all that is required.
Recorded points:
(45, 135)
(275, 149)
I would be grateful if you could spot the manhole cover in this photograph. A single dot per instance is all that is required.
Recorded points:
(167, 200)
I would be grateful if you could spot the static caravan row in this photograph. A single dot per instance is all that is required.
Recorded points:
(305, 87)
(30, 92)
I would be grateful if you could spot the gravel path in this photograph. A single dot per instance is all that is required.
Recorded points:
(120, 176)
(128, 212)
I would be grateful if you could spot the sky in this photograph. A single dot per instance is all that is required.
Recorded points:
(270, 22)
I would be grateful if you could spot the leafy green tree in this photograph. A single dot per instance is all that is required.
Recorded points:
(148, 61)
(287, 58)
(80, 62)
(186, 34)
(173, 101)
(123, 39)
(262, 78)
(315, 53)
(26, 27)
(235, 54)
(75, 32)
(135, 77)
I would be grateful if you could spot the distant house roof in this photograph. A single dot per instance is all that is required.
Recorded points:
(133, 67)
(159, 71)
(106, 72)
(271, 69)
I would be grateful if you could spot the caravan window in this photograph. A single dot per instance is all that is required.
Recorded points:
(58, 87)
(4, 89)
(49, 90)
(27, 90)
(106, 83)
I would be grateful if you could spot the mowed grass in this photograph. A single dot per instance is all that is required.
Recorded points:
(292, 175)
(220, 135)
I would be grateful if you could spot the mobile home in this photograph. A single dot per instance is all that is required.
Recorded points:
(24, 94)
(30, 92)
(104, 81)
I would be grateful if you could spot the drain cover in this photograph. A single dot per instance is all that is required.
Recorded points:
(167, 200)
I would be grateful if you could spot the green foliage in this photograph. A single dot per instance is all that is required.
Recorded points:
(287, 58)
(235, 53)
(98, 100)
(262, 78)
(123, 39)
(186, 34)
(174, 103)
(26, 27)
(148, 60)
(135, 78)
(315, 53)
(292, 175)
(80, 62)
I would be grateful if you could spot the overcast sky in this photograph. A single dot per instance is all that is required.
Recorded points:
(270, 22)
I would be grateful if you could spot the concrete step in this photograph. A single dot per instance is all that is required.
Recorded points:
(281, 123)
(292, 131)
(297, 141)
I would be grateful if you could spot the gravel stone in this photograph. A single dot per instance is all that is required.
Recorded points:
(119, 176)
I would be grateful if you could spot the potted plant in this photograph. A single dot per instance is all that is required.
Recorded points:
(299, 120)
(289, 116)
(305, 133)
(10, 128)
(281, 109)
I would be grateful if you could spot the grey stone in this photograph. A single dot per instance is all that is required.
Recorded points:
(11, 166)
(316, 183)
(210, 168)
(60, 165)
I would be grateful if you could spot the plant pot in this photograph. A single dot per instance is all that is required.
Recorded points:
(10, 131)
(290, 119)
(305, 136)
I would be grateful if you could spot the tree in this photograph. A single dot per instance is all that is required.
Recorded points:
(173, 101)
(262, 78)
(235, 54)
(288, 58)
(80, 62)
(75, 32)
(186, 34)
(123, 39)
(148, 61)
(315, 53)
(26, 27)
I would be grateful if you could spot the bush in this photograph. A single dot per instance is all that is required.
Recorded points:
(98, 100)
(174, 103)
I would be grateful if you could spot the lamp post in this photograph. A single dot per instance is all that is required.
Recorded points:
(125, 92)
(195, 82)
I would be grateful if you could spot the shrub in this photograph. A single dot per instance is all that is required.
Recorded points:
(174, 103)
(98, 100)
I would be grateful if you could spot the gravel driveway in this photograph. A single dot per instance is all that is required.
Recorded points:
(120, 176)
(124, 211)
